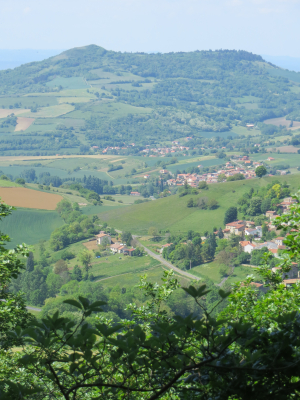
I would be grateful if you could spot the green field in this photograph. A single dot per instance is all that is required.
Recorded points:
(283, 158)
(30, 226)
(68, 83)
(119, 264)
(172, 212)
(5, 183)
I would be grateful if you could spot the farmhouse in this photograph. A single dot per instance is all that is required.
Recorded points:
(118, 248)
(135, 194)
(103, 237)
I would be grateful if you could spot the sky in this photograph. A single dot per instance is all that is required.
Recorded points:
(261, 26)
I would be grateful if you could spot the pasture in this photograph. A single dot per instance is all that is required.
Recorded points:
(28, 198)
(6, 183)
(30, 226)
(172, 212)
(67, 83)
(49, 112)
(292, 159)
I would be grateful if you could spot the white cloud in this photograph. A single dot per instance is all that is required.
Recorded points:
(26, 10)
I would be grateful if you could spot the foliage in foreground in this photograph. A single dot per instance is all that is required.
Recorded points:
(251, 350)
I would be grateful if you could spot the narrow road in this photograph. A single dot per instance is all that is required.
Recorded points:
(34, 309)
(168, 264)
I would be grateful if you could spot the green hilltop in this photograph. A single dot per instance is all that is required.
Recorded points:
(90, 96)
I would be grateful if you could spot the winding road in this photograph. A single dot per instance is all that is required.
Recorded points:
(167, 263)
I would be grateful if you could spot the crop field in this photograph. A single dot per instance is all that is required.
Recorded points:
(68, 83)
(91, 245)
(73, 100)
(48, 112)
(284, 122)
(288, 149)
(5, 113)
(28, 198)
(67, 93)
(30, 226)
(172, 212)
(27, 101)
(23, 123)
(118, 109)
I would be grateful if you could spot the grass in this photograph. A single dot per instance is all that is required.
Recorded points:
(68, 83)
(30, 226)
(293, 159)
(119, 264)
(5, 183)
(241, 130)
(172, 212)
(49, 112)
(42, 101)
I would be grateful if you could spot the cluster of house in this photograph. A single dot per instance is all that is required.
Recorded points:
(211, 177)
(104, 238)
(164, 150)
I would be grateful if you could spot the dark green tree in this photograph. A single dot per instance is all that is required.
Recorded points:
(220, 233)
(126, 238)
(230, 215)
(30, 262)
(261, 171)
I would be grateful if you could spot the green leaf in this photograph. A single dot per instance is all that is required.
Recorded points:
(73, 303)
(224, 294)
(84, 301)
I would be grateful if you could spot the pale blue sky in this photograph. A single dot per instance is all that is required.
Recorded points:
(260, 26)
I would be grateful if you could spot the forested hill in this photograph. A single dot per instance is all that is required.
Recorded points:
(153, 97)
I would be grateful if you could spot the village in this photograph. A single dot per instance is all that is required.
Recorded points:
(230, 169)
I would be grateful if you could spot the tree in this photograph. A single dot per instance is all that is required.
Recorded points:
(245, 351)
(261, 171)
(30, 262)
(76, 274)
(60, 266)
(220, 233)
(152, 231)
(255, 206)
(85, 258)
(126, 237)
(20, 181)
(265, 205)
(264, 229)
(212, 204)
(190, 203)
(203, 185)
(230, 215)
(12, 306)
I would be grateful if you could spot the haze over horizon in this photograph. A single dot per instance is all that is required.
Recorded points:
(259, 26)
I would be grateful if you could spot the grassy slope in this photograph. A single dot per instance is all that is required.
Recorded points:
(172, 212)
(30, 226)
(5, 183)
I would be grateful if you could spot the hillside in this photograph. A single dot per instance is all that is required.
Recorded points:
(93, 97)
(172, 212)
